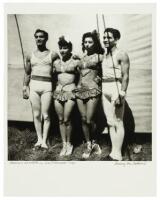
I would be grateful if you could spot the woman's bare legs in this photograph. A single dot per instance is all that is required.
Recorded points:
(87, 111)
(64, 111)
(60, 112)
(68, 107)
(59, 107)
(83, 112)
(91, 108)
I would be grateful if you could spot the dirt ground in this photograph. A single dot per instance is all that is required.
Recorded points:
(22, 137)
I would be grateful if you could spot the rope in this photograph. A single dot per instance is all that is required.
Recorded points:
(97, 23)
(111, 57)
(98, 33)
(20, 40)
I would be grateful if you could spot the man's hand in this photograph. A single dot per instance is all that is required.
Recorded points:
(98, 80)
(120, 99)
(25, 92)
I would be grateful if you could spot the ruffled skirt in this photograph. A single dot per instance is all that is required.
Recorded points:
(86, 92)
(64, 95)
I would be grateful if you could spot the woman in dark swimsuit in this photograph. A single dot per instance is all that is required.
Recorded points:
(66, 69)
(89, 89)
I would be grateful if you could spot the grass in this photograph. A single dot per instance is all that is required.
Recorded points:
(22, 137)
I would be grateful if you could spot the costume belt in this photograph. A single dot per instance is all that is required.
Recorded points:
(109, 79)
(41, 78)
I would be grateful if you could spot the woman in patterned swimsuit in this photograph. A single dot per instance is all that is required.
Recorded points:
(89, 89)
(66, 69)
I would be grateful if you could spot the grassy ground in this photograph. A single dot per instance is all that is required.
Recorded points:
(22, 137)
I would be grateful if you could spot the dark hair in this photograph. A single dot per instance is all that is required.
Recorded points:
(116, 33)
(41, 31)
(97, 45)
(63, 42)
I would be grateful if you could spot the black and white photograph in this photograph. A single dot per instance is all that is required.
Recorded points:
(80, 87)
(80, 97)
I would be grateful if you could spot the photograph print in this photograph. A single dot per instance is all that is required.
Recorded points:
(79, 87)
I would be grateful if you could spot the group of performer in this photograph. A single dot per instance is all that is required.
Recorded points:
(103, 73)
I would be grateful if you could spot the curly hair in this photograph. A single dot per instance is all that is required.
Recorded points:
(97, 45)
(63, 42)
(116, 33)
(41, 31)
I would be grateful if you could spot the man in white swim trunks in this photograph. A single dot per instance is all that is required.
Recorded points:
(37, 85)
(115, 79)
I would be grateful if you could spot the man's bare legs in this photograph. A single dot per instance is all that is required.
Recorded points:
(35, 100)
(114, 117)
(46, 100)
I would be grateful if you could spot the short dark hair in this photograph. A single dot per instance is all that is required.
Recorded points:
(97, 45)
(41, 31)
(116, 33)
(63, 42)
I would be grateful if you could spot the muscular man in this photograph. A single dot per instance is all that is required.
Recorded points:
(115, 79)
(38, 85)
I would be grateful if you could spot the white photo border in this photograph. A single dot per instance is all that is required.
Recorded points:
(11, 169)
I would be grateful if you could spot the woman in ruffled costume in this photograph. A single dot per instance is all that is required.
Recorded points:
(89, 89)
(64, 96)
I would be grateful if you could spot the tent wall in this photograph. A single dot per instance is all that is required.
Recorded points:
(136, 31)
